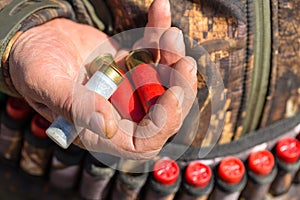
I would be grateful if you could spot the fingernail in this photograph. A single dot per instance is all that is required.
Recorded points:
(97, 124)
(179, 93)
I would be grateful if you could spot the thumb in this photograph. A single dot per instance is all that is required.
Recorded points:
(94, 112)
(88, 110)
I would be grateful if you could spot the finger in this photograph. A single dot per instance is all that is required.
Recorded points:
(172, 49)
(79, 105)
(94, 112)
(150, 134)
(159, 19)
(83, 108)
(163, 121)
(159, 14)
(172, 46)
(184, 75)
(93, 142)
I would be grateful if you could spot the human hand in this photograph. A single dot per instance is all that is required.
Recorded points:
(45, 68)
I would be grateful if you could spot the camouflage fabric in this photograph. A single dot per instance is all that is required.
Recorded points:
(62, 9)
(254, 44)
(283, 99)
(228, 31)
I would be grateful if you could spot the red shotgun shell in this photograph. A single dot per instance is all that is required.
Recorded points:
(17, 108)
(127, 102)
(261, 162)
(231, 170)
(144, 77)
(288, 150)
(149, 88)
(198, 174)
(39, 125)
(166, 171)
(124, 99)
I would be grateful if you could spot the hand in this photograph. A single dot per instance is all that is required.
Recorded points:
(45, 68)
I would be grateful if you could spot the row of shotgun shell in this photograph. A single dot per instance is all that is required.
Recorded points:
(23, 142)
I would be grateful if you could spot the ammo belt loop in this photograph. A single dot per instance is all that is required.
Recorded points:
(262, 65)
(11, 20)
(264, 138)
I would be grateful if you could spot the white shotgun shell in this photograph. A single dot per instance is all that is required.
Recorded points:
(104, 81)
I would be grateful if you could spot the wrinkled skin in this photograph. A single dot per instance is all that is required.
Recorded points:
(45, 68)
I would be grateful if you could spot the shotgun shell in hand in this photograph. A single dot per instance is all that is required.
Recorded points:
(127, 102)
(124, 99)
(104, 82)
(145, 77)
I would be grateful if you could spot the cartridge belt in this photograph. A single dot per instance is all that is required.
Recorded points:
(264, 138)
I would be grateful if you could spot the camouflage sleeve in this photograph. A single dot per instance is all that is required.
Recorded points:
(18, 16)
